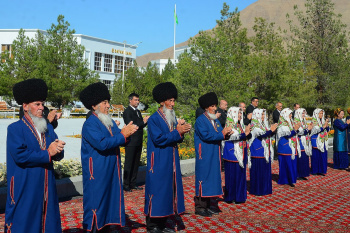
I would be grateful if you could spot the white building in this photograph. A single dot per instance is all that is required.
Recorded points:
(104, 56)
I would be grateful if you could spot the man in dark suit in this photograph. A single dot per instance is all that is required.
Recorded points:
(223, 112)
(134, 148)
(254, 104)
(275, 118)
(276, 112)
(296, 107)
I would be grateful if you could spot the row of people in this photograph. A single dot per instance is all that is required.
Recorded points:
(32, 145)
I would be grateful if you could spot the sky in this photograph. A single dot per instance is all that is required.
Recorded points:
(148, 21)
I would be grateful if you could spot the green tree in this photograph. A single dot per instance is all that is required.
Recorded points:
(169, 70)
(216, 62)
(141, 82)
(276, 74)
(54, 56)
(66, 72)
(321, 38)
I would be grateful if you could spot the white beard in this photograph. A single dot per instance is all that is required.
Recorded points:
(212, 116)
(40, 123)
(169, 115)
(106, 119)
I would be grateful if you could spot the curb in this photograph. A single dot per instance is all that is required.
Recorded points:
(73, 186)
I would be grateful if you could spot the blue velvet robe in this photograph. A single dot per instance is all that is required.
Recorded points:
(163, 169)
(31, 180)
(103, 200)
(318, 158)
(287, 166)
(348, 136)
(207, 141)
(256, 148)
(339, 142)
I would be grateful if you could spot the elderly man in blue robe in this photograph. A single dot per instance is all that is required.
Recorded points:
(103, 199)
(164, 194)
(207, 139)
(32, 145)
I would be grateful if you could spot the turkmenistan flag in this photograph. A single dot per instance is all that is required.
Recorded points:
(175, 17)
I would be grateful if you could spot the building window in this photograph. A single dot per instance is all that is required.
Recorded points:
(118, 66)
(108, 63)
(7, 47)
(128, 63)
(87, 57)
(108, 83)
(98, 61)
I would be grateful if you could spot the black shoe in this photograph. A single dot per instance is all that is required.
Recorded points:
(203, 213)
(137, 188)
(213, 212)
(301, 178)
(127, 189)
(321, 174)
(155, 230)
(168, 230)
(292, 185)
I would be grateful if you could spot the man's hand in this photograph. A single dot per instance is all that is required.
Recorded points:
(297, 126)
(129, 129)
(348, 121)
(183, 128)
(117, 122)
(247, 130)
(310, 126)
(249, 116)
(181, 121)
(273, 127)
(52, 115)
(145, 119)
(217, 115)
(56, 147)
(227, 131)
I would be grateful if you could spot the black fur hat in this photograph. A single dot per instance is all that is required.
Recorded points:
(164, 91)
(94, 94)
(207, 100)
(30, 90)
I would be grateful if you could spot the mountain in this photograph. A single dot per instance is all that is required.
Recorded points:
(271, 10)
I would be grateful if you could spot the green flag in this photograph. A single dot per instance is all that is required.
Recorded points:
(175, 17)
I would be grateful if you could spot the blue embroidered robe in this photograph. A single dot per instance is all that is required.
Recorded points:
(102, 182)
(207, 141)
(32, 203)
(164, 189)
(256, 148)
(348, 136)
(340, 142)
(283, 144)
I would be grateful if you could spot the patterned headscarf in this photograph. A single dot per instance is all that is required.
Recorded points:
(259, 127)
(322, 137)
(285, 126)
(237, 128)
(305, 140)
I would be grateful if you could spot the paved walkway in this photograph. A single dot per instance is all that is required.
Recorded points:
(320, 204)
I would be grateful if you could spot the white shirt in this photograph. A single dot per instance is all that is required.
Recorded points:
(135, 110)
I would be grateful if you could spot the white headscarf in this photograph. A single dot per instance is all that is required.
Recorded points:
(305, 140)
(285, 126)
(238, 129)
(322, 137)
(259, 127)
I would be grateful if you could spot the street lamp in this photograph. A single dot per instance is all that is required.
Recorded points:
(134, 45)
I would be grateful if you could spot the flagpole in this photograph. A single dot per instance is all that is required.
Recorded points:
(174, 32)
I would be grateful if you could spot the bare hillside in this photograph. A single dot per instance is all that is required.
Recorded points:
(271, 10)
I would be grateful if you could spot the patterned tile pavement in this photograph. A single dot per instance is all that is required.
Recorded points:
(319, 204)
